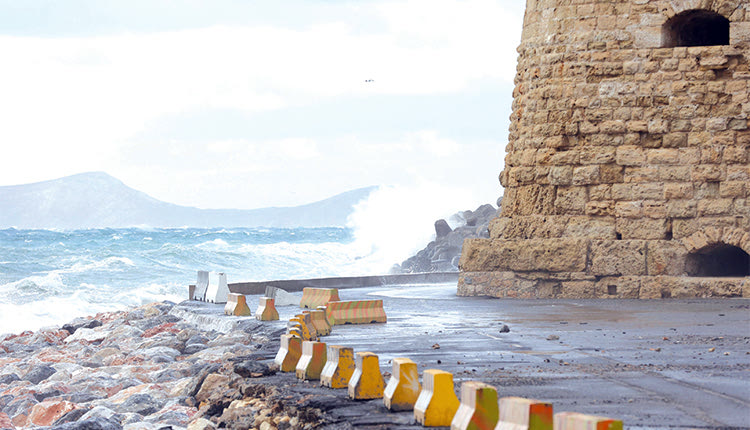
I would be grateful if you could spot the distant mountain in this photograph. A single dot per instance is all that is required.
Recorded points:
(97, 200)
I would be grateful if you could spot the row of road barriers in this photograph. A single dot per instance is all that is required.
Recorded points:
(434, 402)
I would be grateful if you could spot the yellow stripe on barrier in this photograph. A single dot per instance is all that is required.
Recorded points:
(314, 297)
(366, 381)
(237, 305)
(437, 402)
(312, 361)
(289, 353)
(339, 367)
(318, 319)
(307, 320)
(266, 310)
(577, 421)
(478, 408)
(403, 388)
(356, 312)
(517, 413)
(308, 332)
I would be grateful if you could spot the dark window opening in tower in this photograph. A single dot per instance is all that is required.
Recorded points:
(719, 260)
(695, 27)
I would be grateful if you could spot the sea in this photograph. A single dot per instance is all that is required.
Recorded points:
(49, 277)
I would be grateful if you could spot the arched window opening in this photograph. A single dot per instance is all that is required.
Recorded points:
(719, 260)
(695, 27)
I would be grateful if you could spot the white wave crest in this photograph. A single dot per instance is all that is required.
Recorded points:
(110, 263)
(393, 223)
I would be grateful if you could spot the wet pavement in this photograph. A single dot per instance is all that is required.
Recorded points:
(652, 363)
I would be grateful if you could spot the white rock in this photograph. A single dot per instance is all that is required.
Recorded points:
(87, 334)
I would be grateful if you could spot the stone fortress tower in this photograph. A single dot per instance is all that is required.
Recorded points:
(627, 171)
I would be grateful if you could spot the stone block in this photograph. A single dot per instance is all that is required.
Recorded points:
(600, 208)
(618, 287)
(643, 228)
(708, 173)
(631, 209)
(570, 200)
(678, 191)
(714, 207)
(561, 175)
(557, 255)
(586, 175)
(666, 257)
(630, 156)
(577, 289)
(733, 189)
(619, 257)
(590, 227)
(663, 156)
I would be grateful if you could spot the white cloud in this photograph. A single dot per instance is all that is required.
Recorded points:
(74, 104)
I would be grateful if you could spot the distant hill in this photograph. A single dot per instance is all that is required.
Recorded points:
(97, 200)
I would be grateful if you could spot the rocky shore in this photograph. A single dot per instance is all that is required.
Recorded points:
(148, 368)
(443, 253)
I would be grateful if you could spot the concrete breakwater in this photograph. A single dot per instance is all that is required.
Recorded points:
(345, 282)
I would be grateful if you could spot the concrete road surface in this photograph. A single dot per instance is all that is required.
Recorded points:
(652, 363)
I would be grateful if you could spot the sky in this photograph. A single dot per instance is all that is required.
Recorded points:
(247, 104)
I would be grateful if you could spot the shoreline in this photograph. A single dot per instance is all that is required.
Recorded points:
(188, 366)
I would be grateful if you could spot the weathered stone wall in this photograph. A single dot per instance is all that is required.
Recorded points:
(623, 158)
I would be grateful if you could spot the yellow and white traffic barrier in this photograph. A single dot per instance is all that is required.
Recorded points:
(339, 367)
(312, 361)
(318, 319)
(356, 312)
(266, 310)
(308, 321)
(437, 402)
(478, 408)
(237, 305)
(289, 353)
(366, 381)
(517, 413)
(314, 297)
(296, 332)
(307, 327)
(576, 421)
(403, 388)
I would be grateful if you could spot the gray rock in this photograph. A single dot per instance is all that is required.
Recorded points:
(442, 228)
(20, 404)
(192, 349)
(252, 369)
(142, 404)
(8, 378)
(70, 417)
(90, 424)
(197, 339)
(39, 374)
(504, 328)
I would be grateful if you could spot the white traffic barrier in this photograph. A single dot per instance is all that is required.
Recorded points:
(201, 285)
(281, 297)
(218, 291)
